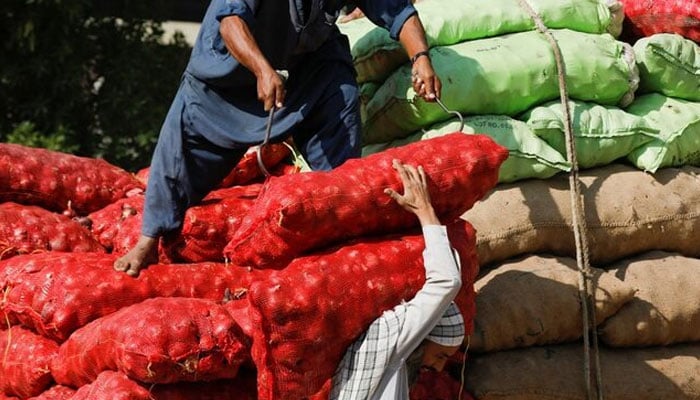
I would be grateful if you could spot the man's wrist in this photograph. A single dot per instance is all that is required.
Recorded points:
(428, 217)
(424, 53)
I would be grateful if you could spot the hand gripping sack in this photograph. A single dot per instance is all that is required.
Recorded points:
(308, 211)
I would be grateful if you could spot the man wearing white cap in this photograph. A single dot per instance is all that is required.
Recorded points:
(422, 333)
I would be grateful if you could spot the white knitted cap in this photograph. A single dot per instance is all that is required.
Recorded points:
(449, 330)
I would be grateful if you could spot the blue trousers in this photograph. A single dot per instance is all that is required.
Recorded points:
(186, 165)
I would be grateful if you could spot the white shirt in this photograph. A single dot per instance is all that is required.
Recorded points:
(401, 330)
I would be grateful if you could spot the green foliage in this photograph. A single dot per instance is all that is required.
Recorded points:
(26, 134)
(85, 79)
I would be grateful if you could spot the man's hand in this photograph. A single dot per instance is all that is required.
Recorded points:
(426, 83)
(271, 89)
(416, 197)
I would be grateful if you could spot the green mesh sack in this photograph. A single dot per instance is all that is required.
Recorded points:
(602, 134)
(669, 64)
(447, 22)
(529, 156)
(678, 122)
(504, 75)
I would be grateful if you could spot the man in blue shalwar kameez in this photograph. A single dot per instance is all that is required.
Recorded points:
(232, 82)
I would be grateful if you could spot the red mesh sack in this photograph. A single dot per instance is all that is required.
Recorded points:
(111, 385)
(243, 387)
(56, 392)
(248, 169)
(238, 307)
(24, 366)
(466, 298)
(210, 225)
(647, 17)
(285, 169)
(433, 385)
(118, 226)
(57, 293)
(29, 229)
(296, 213)
(206, 230)
(162, 340)
(58, 181)
(142, 175)
(306, 315)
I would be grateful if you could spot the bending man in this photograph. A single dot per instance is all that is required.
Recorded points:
(421, 333)
(232, 83)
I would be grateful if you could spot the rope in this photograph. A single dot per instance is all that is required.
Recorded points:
(9, 326)
(586, 294)
(464, 369)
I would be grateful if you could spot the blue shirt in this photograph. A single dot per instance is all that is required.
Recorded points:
(220, 94)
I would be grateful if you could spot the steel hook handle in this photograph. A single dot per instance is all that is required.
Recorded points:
(447, 110)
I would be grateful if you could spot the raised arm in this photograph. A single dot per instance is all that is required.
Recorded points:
(442, 270)
(242, 46)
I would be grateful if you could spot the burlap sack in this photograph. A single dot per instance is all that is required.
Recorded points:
(556, 373)
(536, 301)
(666, 308)
(627, 212)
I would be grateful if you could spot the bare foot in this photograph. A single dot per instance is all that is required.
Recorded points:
(142, 255)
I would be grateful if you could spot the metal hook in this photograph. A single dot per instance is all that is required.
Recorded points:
(461, 119)
(284, 75)
(258, 151)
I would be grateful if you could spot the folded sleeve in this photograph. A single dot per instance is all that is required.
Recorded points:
(242, 8)
(389, 14)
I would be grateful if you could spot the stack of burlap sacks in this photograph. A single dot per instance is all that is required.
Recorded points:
(644, 249)
(635, 116)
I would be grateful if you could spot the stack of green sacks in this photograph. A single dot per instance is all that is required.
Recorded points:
(504, 75)
(448, 22)
(494, 67)
(660, 128)
(669, 67)
(637, 104)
